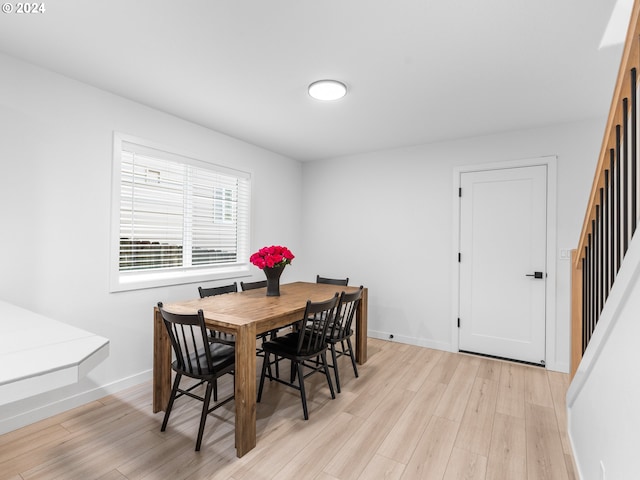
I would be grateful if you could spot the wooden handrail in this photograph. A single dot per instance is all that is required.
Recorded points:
(612, 211)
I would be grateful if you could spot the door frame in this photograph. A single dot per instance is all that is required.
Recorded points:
(550, 293)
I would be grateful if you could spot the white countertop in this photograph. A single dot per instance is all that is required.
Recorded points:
(38, 354)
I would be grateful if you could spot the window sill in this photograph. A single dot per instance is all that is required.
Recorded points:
(139, 280)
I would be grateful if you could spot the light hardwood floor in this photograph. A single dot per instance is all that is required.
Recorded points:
(414, 413)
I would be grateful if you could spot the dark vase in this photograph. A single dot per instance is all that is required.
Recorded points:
(273, 280)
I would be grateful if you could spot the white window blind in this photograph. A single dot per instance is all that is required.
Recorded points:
(178, 215)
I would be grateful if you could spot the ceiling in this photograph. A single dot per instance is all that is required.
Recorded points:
(418, 71)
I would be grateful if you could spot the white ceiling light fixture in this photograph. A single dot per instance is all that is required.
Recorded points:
(327, 90)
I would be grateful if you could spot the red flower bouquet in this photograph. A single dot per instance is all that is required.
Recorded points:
(272, 257)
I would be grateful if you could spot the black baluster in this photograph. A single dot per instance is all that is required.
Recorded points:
(584, 300)
(605, 222)
(592, 310)
(634, 153)
(601, 252)
(612, 216)
(618, 191)
(595, 227)
(594, 268)
(625, 190)
(589, 311)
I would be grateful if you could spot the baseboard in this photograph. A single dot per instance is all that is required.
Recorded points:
(447, 347)
(62, 405)
(419, 342)
(561, 367)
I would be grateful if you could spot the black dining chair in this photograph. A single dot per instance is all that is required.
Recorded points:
(254, 286)
(306, 347)
(261, 336)
(220, 337)
(333, 281)
(196, 357)
(214, 335)
(211, 291)
(340, 333)
(244, 286)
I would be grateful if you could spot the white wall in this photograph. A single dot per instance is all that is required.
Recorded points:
(385, 220)
(56, 154)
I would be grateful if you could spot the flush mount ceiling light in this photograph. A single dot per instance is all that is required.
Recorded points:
(327, 90)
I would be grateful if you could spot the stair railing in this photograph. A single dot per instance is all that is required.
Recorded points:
(612, 212)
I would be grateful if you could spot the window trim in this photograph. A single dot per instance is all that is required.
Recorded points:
(134, 280)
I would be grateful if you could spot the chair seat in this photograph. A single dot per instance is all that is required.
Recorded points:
(339, 334)
(286, 346)
(222, 356)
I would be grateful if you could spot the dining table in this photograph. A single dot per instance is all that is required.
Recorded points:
(245, 315)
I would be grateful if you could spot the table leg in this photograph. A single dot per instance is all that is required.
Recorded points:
(245, 384)
(362, 327)
(161, 363)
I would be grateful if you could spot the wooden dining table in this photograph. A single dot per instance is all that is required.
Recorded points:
(246, 314)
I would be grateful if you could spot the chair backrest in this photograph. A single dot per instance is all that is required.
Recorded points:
(345, 312)
(252, 285)
(333, 281)
(317, 318)
(209, 292)
(188, 336)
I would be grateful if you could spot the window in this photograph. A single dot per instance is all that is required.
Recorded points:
(175, 219)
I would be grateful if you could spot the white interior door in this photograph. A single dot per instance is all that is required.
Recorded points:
(502, 246)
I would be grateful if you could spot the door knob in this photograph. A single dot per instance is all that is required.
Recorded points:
(535, 275)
